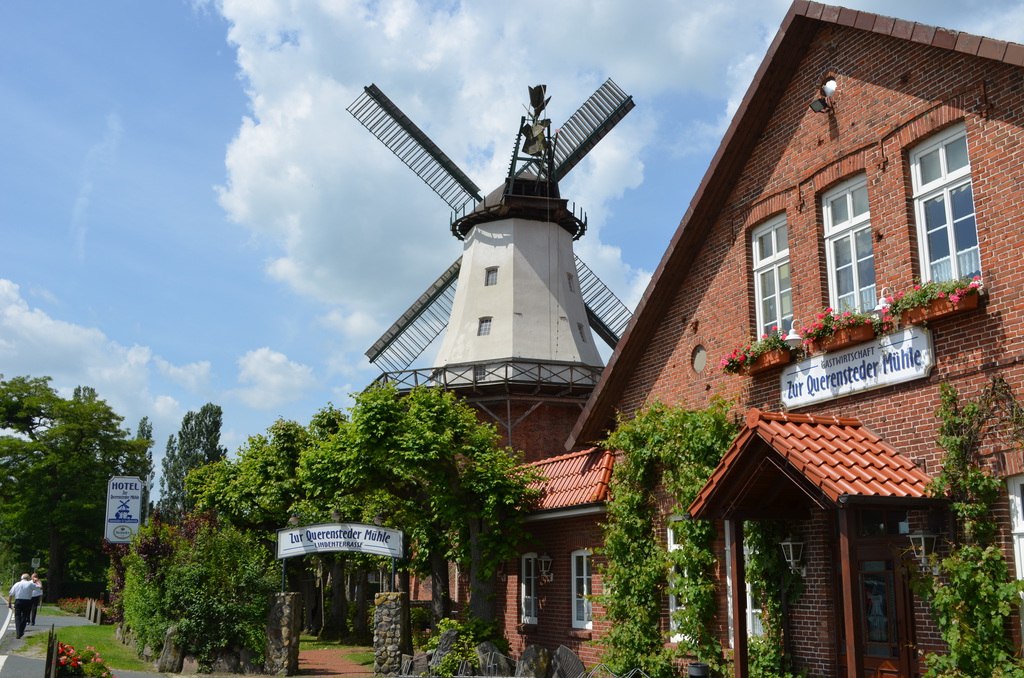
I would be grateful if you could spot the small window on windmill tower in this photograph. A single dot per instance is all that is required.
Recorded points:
(572, 283)
(491, 276)
(583, 335)
(484, 328)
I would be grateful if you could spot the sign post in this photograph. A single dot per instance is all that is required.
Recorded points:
(124, 508)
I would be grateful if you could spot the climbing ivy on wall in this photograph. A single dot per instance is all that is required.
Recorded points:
(773, 586)
(973, 595)
(678, 449)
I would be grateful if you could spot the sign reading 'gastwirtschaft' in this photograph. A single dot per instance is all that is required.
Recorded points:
(328, 537)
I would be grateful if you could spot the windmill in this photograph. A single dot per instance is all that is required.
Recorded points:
(518, 297)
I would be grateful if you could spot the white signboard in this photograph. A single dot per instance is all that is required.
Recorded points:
(124, 508)
(893, 359)
(328, 537)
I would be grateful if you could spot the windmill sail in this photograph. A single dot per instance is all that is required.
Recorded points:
(588, 125)
(386, 121)
(608, 316)
(410, 335)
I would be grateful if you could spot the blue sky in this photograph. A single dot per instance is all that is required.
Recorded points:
(188, 214)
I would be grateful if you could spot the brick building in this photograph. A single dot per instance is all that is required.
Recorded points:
(868, 153)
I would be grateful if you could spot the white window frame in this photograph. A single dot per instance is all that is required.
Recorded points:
(529, 577)
(483, 328)
(673, 602)
(755, 626)
(772, 263)
(582, 589)
(490, 276)
(943, 187)
(844, 234)
(1015, 490)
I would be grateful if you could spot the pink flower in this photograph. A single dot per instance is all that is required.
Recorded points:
(954, 298)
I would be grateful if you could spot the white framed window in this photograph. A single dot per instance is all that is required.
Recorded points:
(753, 616)
(581, 589)
(1015, 490)
(491, 276)
(528, 600)
(848, 248)
(772, 288)
(571, 281)
(672, 544)
(944, 204)
(484, 328)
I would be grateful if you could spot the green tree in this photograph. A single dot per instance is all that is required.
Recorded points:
(197, 443)
(442, 475)
(56, 456)
(144, 434)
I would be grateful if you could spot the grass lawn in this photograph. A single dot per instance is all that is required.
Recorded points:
(114, 654)
(360, 654)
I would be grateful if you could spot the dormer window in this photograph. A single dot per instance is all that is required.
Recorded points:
(491, 276)
(484, 328)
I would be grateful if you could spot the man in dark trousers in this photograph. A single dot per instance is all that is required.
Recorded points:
(20, 598)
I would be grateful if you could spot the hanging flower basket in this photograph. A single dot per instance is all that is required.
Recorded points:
(768, 360)
(939, 308)
(847, 336)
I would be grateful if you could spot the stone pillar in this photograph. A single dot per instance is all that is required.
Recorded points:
(284, 625)
(391, 637)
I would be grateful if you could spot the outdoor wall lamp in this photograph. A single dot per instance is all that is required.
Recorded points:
(336, 515)
(883, 302)
(824, 103)
(293, 520)
(923, 543)
(792, 550)
(545, 566)
(793, 338)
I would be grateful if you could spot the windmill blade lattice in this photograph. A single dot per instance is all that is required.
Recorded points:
(588, 125)
(410, 335)
(608, 316)
(386, 121)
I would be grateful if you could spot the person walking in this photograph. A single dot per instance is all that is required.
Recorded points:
(37, 598)
(20, 598)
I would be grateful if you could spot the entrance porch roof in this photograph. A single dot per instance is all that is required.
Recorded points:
(782, 465)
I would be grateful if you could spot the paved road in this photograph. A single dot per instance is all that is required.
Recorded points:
(15, 666)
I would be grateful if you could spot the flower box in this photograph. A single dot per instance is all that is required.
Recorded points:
(768, 360)
(938, 308)
(846, 336)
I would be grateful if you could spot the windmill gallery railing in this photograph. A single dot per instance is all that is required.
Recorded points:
(509, 375)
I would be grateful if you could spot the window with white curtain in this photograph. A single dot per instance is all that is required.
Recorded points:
(944, 204)
(528, 588)
(849, 252)
(772, 288)
(581, 589)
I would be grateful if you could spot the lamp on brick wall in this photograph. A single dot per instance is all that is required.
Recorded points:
(793, 338)
(923, 543)
(792, 550)
(545, 566)
(883, 302)
(824, 103)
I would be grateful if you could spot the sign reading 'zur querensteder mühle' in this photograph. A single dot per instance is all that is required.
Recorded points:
(328, 537)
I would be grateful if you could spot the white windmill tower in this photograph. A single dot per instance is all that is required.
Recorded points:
(518, 305)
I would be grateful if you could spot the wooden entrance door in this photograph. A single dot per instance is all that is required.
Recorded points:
(884, 613)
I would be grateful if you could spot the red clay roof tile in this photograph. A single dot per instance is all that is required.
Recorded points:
(841, 457)
(574, 479)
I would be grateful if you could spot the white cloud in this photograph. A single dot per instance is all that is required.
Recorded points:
(194, 377)
(271, 379)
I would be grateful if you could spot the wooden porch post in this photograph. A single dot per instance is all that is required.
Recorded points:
(851, 600)
(739, 599)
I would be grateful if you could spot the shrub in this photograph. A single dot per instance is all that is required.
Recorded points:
(211, 580)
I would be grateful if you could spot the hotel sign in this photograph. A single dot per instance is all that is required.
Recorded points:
(893, 359)
(329, 537)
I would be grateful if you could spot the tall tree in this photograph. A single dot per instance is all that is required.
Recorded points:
(56, 456)
(144, 433)
(197, 443)
(451, 486)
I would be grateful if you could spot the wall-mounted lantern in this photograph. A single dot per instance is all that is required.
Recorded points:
(792, 550)
(923, 543)
(545, 566)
